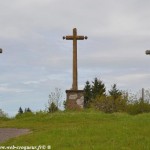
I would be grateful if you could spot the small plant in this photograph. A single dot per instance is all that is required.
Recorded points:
(52, 108)
(54, 100)
(3, 114)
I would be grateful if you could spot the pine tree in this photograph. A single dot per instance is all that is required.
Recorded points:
(20, 111)
(52, 108)
(87, 94)
(118, 102)
(27, 110)
(114, 92)
(98, 88)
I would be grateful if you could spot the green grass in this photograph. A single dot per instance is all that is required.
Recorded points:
(87, 130)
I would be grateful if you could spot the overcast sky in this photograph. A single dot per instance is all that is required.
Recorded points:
(36, 60)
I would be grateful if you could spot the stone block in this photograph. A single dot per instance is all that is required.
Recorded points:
(75, 99)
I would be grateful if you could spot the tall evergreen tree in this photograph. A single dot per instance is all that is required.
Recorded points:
(87, 94)
(20, 111)
(27, 110)
(98, 88)
(114, 92)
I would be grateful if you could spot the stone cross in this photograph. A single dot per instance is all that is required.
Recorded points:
(75, 37)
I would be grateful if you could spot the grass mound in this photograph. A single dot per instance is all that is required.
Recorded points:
(82, 130)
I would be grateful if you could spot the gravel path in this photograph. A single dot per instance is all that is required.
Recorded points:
(8, 133)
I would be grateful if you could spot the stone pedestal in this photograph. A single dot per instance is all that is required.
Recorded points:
(75, 99)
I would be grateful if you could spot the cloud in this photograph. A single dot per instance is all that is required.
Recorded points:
(12, 90)
(133, 77)
(35, 58)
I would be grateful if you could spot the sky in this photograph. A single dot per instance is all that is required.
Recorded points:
(36, 60)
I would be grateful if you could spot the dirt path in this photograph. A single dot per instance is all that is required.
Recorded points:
(8, 133)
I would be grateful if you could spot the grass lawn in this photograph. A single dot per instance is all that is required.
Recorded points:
(87, 130)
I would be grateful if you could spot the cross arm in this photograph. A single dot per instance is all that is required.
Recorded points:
(81, 37)
(69, 37)
(147, 52)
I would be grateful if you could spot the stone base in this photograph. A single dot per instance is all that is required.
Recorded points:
(75, 99)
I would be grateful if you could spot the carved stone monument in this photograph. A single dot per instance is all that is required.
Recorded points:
(75, 97)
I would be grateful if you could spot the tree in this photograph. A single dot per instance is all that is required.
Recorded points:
(87, 94)
(118, 100)
(27, 110)
(52, 108)
(3, 114)
(114, 92)
(98, 88)
(20, 111)
(92, 91)
(54, 99)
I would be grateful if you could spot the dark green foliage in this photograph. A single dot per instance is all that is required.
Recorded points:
(20, 111)
(92, 91)
(95, 95)
(114, 92)
(25, 115)
(64, 103)
(98, 88)
(27, 110)
(87, 94)
(109, 105)
(138, 106)
(52, 108)
(118, 101)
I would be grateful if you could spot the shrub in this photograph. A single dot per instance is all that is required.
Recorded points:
(52, 108)
(3, 114)
(27, 110)
(54, 100)
(109, 104)
(138, 106)
(25, 115)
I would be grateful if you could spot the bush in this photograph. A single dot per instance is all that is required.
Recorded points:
(52, 108)
(109, 104)
(25, 115)
(138, 106)
(3, 114)
(54, 100)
